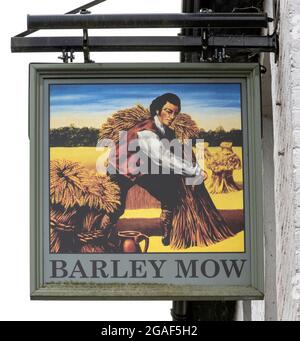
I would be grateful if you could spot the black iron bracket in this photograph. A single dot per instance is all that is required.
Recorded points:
(165, 20)
(149, 43)
(67, 52)
(86, 48)
(74, 11)
(204, 21)
(67, 56)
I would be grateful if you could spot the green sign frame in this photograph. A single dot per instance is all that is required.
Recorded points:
(41, 75)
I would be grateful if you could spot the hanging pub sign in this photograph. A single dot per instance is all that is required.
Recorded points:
(146, 181)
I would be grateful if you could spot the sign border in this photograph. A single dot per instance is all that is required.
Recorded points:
(38, 73)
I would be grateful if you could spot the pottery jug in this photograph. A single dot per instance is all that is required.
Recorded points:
(129, 241)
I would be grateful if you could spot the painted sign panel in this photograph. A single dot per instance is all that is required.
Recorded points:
(147, 180)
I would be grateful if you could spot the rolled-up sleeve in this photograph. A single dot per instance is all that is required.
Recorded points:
(152, 147)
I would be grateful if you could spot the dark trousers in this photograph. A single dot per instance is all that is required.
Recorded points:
(162, 187)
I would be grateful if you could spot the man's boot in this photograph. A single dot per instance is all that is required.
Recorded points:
(166, 218)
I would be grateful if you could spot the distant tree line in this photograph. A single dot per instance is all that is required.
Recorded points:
(87, 137)
(73, 137)
(215, 137)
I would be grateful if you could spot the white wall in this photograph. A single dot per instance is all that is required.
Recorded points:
(283, 294)
(14, 169)
(286, 111)
(295, 93)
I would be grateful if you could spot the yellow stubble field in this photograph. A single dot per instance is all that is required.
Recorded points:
(90, 157)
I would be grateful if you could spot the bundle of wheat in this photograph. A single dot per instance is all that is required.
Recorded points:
(196, 220)
(91, 242)
(222, 164)
(78, 201)
(87, 237)
(123, 120)
(61, 219)
(101, 193)
(91, 220)
(68, 181)
(183, 125)
(61, 228)
(92, 238)
(207, 153)
(72, 185)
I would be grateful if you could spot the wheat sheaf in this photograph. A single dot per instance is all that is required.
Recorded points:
(71, 185)
(101, 193)
(183, 125)
(68, 181)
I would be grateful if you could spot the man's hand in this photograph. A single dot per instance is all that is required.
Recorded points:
(199, 179)
(204, 174)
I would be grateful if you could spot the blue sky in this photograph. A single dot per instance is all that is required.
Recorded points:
(90, 104)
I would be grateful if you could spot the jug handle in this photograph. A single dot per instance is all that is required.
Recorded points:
(142, 237)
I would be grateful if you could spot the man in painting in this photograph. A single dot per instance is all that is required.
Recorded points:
(152, 135)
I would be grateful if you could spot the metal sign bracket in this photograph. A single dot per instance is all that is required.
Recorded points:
(86, 49)
(205, 44)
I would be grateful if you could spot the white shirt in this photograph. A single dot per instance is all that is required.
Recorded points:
(159, 125)
(154, 148)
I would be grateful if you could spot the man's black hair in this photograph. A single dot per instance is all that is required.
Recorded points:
(160, 101)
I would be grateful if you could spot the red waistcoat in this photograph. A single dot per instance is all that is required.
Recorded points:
(127, 164)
